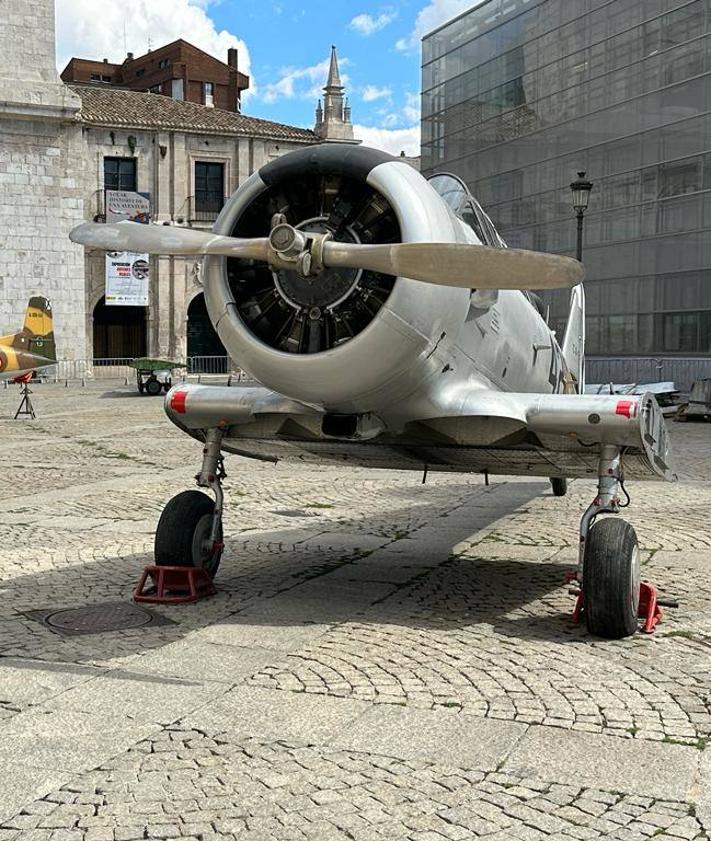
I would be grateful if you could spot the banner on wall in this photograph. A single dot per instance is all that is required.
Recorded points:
(125, 204)
(127, 278)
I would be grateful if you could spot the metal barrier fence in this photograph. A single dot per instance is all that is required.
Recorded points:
(682, 371)
(119, 369)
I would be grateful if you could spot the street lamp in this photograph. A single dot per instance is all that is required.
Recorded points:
(581, 196)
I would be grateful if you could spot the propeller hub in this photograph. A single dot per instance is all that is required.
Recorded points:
(287, 241)
(327, 288)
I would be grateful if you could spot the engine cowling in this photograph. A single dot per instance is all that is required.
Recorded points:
(346, 339)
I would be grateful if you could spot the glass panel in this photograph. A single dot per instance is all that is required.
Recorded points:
(680, 332)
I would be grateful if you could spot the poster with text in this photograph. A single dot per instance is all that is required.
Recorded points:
(125, 204)
(127, 277)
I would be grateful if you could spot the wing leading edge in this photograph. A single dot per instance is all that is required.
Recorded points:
(498, 432)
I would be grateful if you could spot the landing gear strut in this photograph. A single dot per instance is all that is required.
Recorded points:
(608, 561)
(189, 531)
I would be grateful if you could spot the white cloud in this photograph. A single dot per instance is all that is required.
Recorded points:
(434, 14)
(393, 141)
(301, 82)
(367, 24)
(95, 29)
(411, 111)
(372, 92)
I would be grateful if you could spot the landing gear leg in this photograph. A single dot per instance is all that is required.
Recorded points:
(608, 561)
(189, 531)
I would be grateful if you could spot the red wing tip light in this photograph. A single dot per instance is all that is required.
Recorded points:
(177, 401)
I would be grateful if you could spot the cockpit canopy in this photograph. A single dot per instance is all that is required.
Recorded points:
(456, 194)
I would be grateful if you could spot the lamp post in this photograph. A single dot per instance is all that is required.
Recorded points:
(581, 196)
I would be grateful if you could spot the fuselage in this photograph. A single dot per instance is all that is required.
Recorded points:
(15, 363)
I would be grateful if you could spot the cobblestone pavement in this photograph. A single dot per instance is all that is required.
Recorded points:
(383, 660)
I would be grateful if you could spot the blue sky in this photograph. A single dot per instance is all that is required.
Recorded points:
(284, 46)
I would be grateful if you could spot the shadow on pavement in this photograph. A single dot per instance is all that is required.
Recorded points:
(293, 578)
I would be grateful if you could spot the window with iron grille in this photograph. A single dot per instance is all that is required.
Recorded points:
(209, 186)
(120, 174)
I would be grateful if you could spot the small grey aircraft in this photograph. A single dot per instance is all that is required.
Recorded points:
(391, 327)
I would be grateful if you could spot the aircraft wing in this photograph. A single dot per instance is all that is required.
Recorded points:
(498, 432)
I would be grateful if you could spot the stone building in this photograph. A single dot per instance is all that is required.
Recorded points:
(179, 70)
(62, 146)
(41, 161)
(189, 159)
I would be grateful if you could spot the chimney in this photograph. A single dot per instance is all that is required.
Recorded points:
(232, 57)
(129, 56)
(105, 60)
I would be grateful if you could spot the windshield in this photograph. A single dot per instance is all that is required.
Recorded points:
(456, 194)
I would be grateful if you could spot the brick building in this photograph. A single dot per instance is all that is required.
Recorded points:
(178, 70)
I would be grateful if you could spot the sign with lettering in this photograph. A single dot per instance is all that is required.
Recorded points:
(125, 204)
(127, 277)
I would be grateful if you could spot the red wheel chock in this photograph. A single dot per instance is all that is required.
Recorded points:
(649, 604)
(184, 584)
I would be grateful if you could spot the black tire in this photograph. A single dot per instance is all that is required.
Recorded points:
(559, 485)
(611, 579)
(182, 532)
(153, 387)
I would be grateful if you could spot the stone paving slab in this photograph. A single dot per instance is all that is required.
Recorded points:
(201, 660)
(22, 784)
(151, 699)
(68, 740)
(268, 715)
(254, 628)
(652, 769)
(445, 738)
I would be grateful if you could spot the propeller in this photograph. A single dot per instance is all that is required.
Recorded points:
(439, 263)
(165, 239)
(460, 264)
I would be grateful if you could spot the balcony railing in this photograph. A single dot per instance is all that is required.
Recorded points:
(204, 210)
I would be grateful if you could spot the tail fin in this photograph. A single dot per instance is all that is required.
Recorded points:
(38, 328)
(573, 346)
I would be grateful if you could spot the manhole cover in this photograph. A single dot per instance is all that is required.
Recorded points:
(98, 618)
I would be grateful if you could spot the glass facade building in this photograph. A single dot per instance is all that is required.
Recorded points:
(520, 95)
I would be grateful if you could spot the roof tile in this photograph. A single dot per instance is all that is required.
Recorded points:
(116, 107)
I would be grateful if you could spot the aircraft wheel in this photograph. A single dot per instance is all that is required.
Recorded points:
(153, 387)
(611, 579)
(560, 486)
(183, 533)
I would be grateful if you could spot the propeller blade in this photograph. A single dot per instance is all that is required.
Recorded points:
(165, 239)
(459, 264)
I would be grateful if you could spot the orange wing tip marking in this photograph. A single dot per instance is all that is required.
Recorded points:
(177, 402)
(627, 408)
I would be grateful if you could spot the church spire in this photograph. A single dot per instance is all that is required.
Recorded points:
(334, 76)
(333, 120)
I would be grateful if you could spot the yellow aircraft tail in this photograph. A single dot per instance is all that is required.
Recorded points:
(37, 334)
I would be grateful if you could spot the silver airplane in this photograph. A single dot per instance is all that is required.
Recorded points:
(391, 327)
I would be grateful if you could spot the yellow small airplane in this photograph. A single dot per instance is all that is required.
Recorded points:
(33, 347)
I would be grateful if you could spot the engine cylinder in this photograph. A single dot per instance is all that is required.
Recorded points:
(346, 339)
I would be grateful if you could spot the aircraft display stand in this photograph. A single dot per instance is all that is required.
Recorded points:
(650, 605)
(26, 409)
(173, 585)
